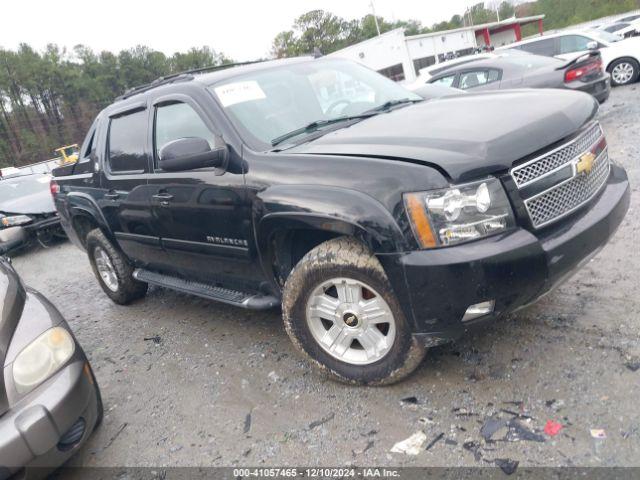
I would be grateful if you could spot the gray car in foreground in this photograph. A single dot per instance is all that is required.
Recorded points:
(508, 70)
(49, 399)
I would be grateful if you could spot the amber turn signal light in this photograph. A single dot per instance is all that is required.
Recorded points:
(419, 220)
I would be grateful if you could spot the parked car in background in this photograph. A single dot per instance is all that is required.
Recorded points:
(620, 57)
(630, 18)
(424, 74)
(382, 226)
(622, 29)
(49, 400)
(27, 212)
(505, 71)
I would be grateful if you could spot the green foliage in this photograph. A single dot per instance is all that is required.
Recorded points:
(329, 32)
(49, 99)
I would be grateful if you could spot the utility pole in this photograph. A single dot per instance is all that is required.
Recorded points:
(375, 18)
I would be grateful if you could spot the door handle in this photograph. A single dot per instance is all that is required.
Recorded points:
(163, 196)
(112, 195)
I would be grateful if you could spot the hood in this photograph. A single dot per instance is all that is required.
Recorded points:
(38, 202)
(12, 298)
(465, 136)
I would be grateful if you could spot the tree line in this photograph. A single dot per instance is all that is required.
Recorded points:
(49, 98)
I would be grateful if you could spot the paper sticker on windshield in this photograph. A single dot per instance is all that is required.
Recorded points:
(239, 92)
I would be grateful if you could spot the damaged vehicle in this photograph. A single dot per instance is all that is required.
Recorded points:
(49, 399)
(27, 212)
(382, 223)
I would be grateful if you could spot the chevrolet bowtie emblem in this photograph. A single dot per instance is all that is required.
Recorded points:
(585, 163)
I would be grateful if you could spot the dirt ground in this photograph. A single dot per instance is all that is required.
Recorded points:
(189, 382)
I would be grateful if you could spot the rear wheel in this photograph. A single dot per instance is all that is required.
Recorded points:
(112, 269)
(624, 71)
(340, 312)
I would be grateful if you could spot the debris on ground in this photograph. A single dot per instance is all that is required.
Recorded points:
(322, 421)
(247, 423)
(552, 428)
(491, 426)
(598, 433)
(368, 446)
(435, 440)
(409, 400)
(632, 365)
(273, 376)
(449, 441)
(425, 420)
(474, 448)
(157, 339)
(507, 465)
(412, 445)
(518, 431)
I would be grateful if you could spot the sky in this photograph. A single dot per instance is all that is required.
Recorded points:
(242, 29)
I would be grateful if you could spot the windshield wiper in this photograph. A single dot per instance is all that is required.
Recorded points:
(317, 124)
(392, 103)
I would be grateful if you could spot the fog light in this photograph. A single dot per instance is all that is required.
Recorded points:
(478, 310)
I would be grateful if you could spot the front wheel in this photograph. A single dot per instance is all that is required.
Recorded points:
(113, 270)
(340, 311)
(624, 71)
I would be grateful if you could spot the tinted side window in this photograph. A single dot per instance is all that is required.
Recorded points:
(574, 43)
(127, 141)
(179, 120)
(540, 47)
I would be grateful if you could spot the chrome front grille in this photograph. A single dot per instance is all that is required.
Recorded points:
(546, 204)
(531, 170)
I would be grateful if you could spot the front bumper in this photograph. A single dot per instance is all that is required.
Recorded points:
(31, 432)
(514, 269)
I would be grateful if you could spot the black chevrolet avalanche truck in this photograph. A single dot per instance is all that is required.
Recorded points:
(381, 223)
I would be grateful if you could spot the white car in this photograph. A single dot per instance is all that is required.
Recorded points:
(622, 29)
(620, 57)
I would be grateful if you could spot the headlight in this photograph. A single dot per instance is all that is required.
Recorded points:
(459, 213)
(42, 358)
(15, 220)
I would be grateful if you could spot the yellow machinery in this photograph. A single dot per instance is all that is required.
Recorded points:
(68, 154)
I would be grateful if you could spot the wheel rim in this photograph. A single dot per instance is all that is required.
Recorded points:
(351, 321)
(105, 269)
(623, 72)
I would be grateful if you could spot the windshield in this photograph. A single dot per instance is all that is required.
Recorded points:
(17, 187)
(604, 36)
(267, 104)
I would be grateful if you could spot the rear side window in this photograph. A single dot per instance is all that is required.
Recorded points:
(574, 43)
(476, 78)
(446, 81)
(127, 142)
(179, 120)
(540, 47)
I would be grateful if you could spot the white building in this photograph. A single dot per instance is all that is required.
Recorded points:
(400, 57)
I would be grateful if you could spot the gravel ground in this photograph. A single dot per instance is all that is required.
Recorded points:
(221, 386)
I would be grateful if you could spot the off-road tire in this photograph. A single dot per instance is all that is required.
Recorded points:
(346, 257)
(129, 289)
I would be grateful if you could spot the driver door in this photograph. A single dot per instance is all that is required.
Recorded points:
(200, 215)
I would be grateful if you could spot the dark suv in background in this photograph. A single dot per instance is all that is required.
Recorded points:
(382, 223)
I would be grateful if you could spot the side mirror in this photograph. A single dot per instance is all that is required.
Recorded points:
(191, 153)
(593, 45)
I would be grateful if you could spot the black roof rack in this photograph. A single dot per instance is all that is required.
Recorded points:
(180, 77)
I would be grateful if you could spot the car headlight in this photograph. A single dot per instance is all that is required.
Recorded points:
(42, 358)
(459, 213)
(15, 220)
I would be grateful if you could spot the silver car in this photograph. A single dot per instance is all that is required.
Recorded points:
(49, 399)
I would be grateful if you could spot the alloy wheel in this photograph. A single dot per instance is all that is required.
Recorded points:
(105, 269)
(623, 72)
(351, 321)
